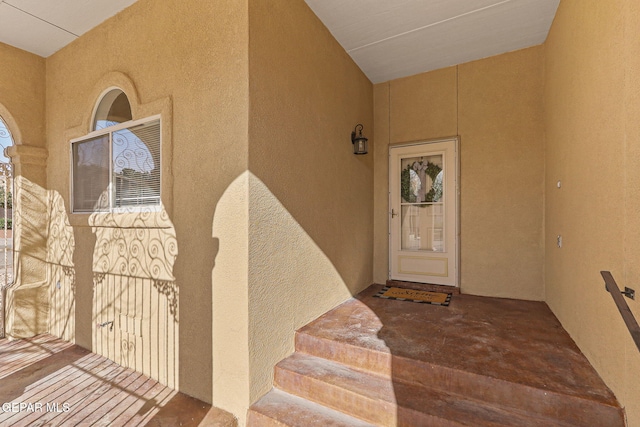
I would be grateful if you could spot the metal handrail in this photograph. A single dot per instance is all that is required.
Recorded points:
(627, 315)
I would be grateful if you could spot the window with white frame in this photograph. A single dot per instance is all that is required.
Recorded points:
(117, 165)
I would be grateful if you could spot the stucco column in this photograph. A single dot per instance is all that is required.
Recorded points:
(27, 299)
(29, 162)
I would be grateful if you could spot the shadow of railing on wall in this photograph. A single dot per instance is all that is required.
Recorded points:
(60, 271)
(135, 298)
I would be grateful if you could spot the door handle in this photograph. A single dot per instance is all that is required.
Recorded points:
(393, 213)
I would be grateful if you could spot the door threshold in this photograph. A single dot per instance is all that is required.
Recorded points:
(424, 287)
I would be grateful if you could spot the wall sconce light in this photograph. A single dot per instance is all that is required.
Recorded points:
(359, 142)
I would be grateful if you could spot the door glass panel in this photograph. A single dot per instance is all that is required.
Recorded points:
(423, 227)
(422, 197)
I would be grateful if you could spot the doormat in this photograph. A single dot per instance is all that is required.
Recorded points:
(424, 297)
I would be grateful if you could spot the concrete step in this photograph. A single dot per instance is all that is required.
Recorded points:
(278, 409)
(382, 401)
(507, 353)
(509, 395)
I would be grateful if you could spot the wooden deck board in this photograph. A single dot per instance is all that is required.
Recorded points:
(84, 389)
(18, 354)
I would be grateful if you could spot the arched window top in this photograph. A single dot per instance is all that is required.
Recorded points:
(113, 108)
(6, 140)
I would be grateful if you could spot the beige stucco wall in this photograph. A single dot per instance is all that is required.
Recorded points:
(22, 95)
(500, 122)
(593, 146)
(495, 106)
(188, 61)
(310, 197)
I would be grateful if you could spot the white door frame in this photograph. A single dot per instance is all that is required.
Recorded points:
(456, 231)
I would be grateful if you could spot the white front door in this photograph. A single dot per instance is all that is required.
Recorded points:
(423, 199)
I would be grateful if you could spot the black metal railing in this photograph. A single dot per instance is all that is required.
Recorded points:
(625, 311)
(6, 236)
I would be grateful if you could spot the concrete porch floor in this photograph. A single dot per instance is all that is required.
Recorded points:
(45, 381)
(512, 340)
(480, 361)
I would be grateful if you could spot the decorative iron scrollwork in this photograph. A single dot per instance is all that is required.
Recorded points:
(141, 244)
(128, 350)
(60, 240)
(170, 290)
(98, 278)
(137, 245)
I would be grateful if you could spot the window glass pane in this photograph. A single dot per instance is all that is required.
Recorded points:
(91, 175)
(114, 108)
(136, 165)
(5, 141)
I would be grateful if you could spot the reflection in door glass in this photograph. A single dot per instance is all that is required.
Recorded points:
(421, 179)
(422, 197)
(423, 227)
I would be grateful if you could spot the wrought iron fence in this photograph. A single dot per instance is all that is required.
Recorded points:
(6, 237)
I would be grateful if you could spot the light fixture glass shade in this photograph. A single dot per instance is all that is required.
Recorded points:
(360, 145)
(359, 142)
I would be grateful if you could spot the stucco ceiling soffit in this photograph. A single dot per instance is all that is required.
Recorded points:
(398, 38)
(363, 23)
(74, 16)
(44, 27)
(30, 33)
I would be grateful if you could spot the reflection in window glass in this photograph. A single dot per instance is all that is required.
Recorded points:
(5, 141)
(91, 175)
(136, 165)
